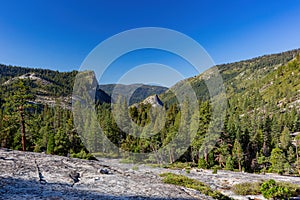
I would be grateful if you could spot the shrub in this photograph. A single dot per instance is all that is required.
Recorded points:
(247, 188)
(229, 163)
(83, 155)
(184, 181)
(293, 188)
(202, 164)
(215, 169)
(270, 189)
(180, 165)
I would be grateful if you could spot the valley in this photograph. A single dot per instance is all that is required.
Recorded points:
(260, 138)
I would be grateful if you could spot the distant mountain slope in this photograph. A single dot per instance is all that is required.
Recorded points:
(46, 91)
(51, 85)
(140, 91)
(280, 86)
(62, 81)
(238, 76)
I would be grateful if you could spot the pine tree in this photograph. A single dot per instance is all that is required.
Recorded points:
(237, 153)
(291, 155)
(221, 153)
(267, 135)
(297, 139)
(51, 144)
(262, 160)
(201, 142)
(62, 144)
(277, 160)
(42, 142)
(285, 139)
(229, 163)
(19, 103)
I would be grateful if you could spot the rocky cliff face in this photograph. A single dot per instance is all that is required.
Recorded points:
(154, 101)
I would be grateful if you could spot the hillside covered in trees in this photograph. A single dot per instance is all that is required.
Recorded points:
(260, 131)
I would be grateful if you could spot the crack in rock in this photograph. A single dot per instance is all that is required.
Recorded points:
(40, 175)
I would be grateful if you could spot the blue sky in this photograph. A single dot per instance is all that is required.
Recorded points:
(59, 34)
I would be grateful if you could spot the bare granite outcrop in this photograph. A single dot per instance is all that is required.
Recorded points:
(27, 175)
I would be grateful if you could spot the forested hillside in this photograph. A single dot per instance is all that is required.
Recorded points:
(62, 82)
(25, 125)
(260, 130)
(237, 76)
(261, 125)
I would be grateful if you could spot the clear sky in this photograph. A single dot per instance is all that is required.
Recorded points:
(59, 34)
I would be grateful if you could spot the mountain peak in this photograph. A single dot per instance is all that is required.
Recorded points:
(153, 100)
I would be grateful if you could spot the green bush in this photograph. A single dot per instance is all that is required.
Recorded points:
(229, 163)
(247, 188)
(293, 188)
(106, 155)
(202, 164)
(83, 155)
(180, 165)
(126, 161)
(215, 169)
(184, 181)
(271, 190)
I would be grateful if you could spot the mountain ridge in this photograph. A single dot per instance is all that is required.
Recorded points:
(233, 74)
(134, 93)
(229, 71)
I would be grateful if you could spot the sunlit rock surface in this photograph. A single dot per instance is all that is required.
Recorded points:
(40, 176)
